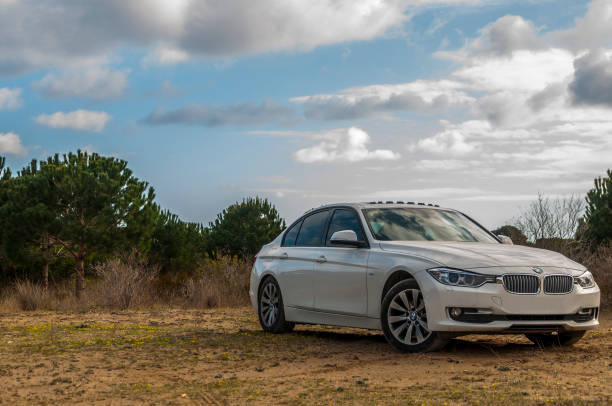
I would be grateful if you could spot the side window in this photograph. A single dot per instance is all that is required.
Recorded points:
(291, 234)
(344, 220)
(311, 232)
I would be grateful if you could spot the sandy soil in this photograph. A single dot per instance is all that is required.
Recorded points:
(222, 357)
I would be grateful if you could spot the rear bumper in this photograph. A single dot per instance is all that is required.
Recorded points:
(500, 311)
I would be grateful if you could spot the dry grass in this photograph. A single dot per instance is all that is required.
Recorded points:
(124, 283)
(128, 282)
(30, 296)
(220, 283)
(222, 357)
(598, 261)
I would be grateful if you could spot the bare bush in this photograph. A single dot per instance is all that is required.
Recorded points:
(130, 282)
(599, 262)
(30, 296)
(547, 218)
(124, 282)
(222, 282)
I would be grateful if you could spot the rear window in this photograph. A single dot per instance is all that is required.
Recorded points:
(292, 233)
(311, 233)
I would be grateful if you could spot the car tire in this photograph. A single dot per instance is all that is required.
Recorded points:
(270, 308)
(563, 339)
(404, 320)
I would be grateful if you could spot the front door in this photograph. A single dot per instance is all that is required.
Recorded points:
(340, 273)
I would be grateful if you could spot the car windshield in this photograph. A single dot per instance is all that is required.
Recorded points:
(422, 224)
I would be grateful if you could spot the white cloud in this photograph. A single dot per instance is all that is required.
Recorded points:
(212, 116)
(366, 101)
(504, 36)
(80, 120)
(551, 150)
(592, 82)
(10, 99)
(92, 82)
(164, 54)
(450, 142)
(498, 88)
(233, 27)
(348, 145)
(523, 71)
(592, 31)
(35, 35)
(10, 143)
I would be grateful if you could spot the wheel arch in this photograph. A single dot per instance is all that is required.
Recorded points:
(264, 277)
(395, 277)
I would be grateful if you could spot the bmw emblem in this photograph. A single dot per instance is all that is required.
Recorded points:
(537, 270)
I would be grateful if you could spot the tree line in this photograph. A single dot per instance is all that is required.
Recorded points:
(61, 215)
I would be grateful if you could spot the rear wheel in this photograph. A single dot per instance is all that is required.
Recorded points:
(561, 339)
(404, 319)
(271, 311)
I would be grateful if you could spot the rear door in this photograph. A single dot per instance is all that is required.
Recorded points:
(298, 254)
(341, 272)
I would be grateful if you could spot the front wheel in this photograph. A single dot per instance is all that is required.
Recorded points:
(404, 320)
(271, 311)
(563, 339)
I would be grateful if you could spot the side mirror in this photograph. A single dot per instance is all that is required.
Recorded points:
(346, 237)
(505, 239)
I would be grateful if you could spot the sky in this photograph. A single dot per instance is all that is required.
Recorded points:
(474, 105)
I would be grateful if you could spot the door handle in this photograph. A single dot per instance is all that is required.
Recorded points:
(321, 259)
(284, 256)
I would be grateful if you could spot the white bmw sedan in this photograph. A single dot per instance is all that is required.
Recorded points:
(420, 273)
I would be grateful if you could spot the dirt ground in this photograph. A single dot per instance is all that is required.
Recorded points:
(222, 357)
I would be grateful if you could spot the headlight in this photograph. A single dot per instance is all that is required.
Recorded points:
(455, 277)
(585, 280)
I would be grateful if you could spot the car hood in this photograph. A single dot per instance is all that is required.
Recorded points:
(470, 255)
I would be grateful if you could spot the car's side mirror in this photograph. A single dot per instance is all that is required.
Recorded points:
(505, 239)
(346, 237)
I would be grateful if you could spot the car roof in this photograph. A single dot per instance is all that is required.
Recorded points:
(380, 205)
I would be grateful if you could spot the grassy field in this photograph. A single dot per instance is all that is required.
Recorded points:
(222, 357)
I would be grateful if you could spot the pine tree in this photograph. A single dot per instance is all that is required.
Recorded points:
(28, 215)
(99, 206)
(243, 228)
(598, 216)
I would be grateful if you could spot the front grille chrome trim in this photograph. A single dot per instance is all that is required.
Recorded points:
(558, 284)
(520, 284)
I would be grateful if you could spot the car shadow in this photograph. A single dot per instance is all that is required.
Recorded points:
(342, 337)
(497, 347)
(495, 344)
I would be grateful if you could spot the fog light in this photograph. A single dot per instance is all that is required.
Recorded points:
(455, 312)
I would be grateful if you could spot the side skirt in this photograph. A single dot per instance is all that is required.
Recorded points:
(314, 317)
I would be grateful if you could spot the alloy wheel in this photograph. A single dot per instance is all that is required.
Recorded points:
(269, 304)
(407, 318)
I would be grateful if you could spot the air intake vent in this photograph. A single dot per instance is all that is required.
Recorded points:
(522, 284)
(558, 284)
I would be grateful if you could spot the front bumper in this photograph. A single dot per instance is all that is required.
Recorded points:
(508, 312)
